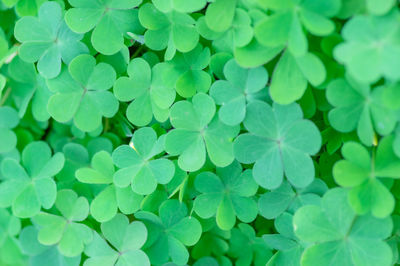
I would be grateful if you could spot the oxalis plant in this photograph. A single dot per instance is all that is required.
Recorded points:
(199, 132)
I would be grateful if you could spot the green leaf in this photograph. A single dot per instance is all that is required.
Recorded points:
(195, 130)
(48, 40)
(81, 93)
(275, 145)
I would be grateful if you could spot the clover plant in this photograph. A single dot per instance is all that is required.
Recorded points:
(199, 132)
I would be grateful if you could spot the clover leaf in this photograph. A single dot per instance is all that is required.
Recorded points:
(284, 26)
(189, 73)
(65, 231)
(195, 130)
(226, 195)
(81, 93)
(29, 87)
(106, 203)
(337, 236)
(151, 93)
(246, 248)
(219, 14)
(30, 186)
(280, 142)
(8, 120)
(41, 255)
(370, 50)
(239, 34)
(292, 75)
(126, 240)
(359, 106)
(364, 175)
(172, 30)
(170, 233)
(110, 20)
(285, 198)
(138, 168)
(242, 85)
(48, 40)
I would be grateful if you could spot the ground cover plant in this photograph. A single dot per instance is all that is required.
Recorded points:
(199, 132)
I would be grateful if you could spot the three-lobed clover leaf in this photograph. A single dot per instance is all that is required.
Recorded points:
(240, 87)
(280, 142)
(107, 202)
(226, 194)
(197, 129)
(30, 186)
(337, 236)
(29, 87)
(365, 175)
(42, 255)
(65, 231)
(284, 26)
(371, 47)
(152, 94)
(272, 204)
(189, 73)
(172, 30)
(137, 166)
(8, 120)
(359, 107)
(81, 93)
(247, 248)
(239, 34)
(126, 240)
(48, 40)
(170, 233)
(109, 19)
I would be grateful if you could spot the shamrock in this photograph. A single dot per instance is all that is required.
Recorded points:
(284, 198)
(106, 203)
(170, 233)
(150, 92)
(337, 236)
(280, 142)
(29, 87)
(172, 30)
(356, 106)
(362, 173)
(371, 46)
(292, 74)
(29, 187)
(241, 86)
(137, 166)
(188, 70)
(65, 231)
(8, 120)
(239, 34)
(195, 130)
(284, 26)
(126, 240)
(226, 195)
(110, 19)
(48, 40)
(41, 255)
(247, 248)
(81, 93)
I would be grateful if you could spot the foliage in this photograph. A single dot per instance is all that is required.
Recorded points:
(199, 132)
